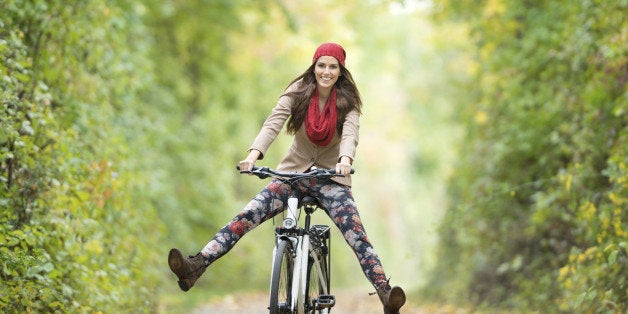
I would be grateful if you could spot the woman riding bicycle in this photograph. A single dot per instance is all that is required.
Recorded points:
(322, 108)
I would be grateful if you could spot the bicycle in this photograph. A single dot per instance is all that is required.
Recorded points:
(300, 277)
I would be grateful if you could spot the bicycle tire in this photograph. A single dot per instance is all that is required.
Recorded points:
(316, 282)
(281, 281)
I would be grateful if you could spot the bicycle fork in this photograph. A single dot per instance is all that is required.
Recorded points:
(301, 244)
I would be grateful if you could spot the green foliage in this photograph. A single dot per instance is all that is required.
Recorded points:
(68, 74)
(538, 218)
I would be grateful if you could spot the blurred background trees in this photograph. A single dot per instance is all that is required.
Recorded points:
(538, 214)
(491, 168)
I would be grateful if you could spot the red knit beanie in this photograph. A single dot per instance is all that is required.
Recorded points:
(330, 49)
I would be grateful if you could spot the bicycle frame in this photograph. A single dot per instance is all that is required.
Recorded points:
(301, 243)
(299, 239)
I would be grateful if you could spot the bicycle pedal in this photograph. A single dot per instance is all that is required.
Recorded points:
(326, 301)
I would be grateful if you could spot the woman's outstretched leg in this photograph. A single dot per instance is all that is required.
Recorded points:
(342, 210)
(268, 203)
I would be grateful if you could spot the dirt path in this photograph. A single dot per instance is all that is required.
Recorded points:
(347, 302)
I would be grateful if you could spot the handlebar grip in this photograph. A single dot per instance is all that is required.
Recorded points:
(333, 171)
(350, 172)
(254, 168)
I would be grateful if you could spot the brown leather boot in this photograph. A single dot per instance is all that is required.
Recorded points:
(392, 299)
(188, 270)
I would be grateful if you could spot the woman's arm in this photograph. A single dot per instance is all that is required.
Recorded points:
(248, 163)
(348, 141)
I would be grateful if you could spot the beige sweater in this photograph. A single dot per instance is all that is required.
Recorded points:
(304, 154)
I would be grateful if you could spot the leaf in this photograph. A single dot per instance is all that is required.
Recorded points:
(12, 241)
(48, 267)
(612, 258)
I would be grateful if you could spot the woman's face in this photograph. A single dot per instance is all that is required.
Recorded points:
(326, 71)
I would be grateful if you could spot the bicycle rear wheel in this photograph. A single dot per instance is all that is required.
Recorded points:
(316, 282)
(281, 281)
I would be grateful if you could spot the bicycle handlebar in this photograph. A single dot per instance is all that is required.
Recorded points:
(265, 172)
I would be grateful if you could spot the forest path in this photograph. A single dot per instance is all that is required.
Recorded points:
(348, 301)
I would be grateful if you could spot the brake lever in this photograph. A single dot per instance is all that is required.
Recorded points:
(261, 175)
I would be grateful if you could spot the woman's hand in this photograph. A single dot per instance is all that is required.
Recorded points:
(248, 163)
(344, 165)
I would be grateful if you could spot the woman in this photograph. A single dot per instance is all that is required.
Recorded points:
(322, 109)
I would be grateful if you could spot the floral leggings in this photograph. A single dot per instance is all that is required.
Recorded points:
(341, 208)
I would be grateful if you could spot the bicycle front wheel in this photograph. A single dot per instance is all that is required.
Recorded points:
(281, 281)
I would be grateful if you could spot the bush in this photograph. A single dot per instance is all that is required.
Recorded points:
(69, 229)
(538, 217)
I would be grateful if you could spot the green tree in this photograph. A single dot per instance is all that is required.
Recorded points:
(69, 73)
(538, 219)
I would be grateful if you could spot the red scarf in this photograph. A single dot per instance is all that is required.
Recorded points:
(321, 126)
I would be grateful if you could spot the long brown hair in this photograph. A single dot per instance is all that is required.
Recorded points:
(348, 97)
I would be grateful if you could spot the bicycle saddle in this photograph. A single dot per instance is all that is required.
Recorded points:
(310, 203)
